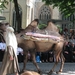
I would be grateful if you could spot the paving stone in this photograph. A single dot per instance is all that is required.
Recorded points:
(69, 68)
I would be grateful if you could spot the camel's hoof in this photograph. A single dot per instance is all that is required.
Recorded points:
(22, 71)
(40, 72)
(50, 73)
(58, 72)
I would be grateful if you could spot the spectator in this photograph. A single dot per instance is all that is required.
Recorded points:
(1, 41)
(29, 56)
(38, 57)
(1, 33)
(44, 56)
(73, 52)
(72, 40)
(1, 51)
(67, 52)
(20, 54)
(50, 56)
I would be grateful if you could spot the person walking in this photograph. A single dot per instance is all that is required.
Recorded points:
(10, 62)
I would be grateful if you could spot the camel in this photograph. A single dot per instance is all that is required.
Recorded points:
(39, 46)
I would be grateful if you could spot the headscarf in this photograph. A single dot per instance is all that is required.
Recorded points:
(10, 39)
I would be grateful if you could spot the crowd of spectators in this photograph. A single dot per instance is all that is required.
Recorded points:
(68, 50)
(19, 52)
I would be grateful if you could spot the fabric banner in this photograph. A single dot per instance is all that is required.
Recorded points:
(42, 37)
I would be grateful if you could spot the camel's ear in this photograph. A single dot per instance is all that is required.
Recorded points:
(33, 23)
(37, 20)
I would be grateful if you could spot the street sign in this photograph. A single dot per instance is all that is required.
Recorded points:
(2, 18)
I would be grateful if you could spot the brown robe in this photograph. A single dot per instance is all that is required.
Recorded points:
(9, 66)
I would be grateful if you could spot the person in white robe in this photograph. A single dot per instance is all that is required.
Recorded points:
(10, 62)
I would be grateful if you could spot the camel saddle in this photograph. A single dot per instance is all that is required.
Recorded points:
(42, 37)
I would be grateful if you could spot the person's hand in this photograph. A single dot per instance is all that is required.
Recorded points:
(66, 52)
(11, 58)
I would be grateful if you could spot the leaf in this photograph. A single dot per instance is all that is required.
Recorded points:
(42, 26)
(67, 7)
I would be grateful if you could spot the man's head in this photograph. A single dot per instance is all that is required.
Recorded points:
(3, 26)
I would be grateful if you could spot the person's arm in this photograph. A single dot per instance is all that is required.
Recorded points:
(9, 48)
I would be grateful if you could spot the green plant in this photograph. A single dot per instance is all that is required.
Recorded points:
(42, 26)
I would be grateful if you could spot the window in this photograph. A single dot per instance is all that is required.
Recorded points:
(15, 25)
(68, 25)
(45, 14)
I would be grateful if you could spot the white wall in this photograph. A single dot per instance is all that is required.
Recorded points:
(56, 13)
(30, 6)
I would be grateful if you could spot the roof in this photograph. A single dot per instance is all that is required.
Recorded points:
(56, 21)
(60, 21)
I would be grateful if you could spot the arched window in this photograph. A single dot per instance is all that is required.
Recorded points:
(68, 25)
(14, 23)
(45, 14)
(31, 14)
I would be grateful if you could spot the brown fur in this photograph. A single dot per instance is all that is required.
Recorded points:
(39, 46)
(30, 73)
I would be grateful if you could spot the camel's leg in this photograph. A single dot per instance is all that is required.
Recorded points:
(51, 71)
(57, 55)
(25, 60)
(62, 63)
(34, 61)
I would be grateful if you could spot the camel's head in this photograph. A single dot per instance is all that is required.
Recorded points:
(35, 22)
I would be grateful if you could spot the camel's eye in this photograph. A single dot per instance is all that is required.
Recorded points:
(21, 35)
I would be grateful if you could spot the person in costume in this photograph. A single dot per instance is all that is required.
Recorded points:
(10, 62)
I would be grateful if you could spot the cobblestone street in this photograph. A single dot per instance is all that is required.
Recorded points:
(69, 68)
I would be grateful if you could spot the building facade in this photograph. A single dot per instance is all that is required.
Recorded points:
(32, 9)
(45, 12)
(26, 10)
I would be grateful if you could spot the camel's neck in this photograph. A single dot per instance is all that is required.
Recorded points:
(30, 28)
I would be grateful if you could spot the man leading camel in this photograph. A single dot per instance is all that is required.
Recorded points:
(10, 62)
